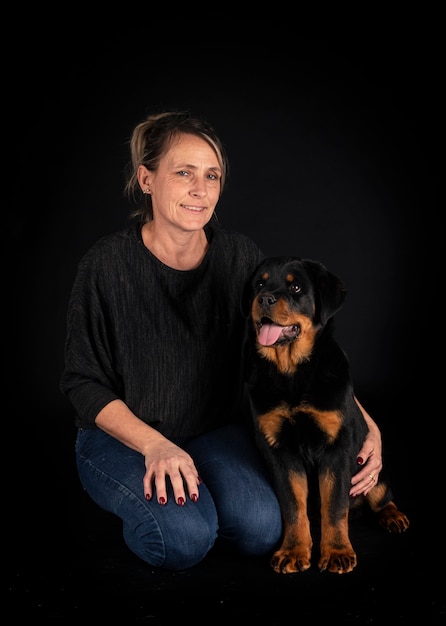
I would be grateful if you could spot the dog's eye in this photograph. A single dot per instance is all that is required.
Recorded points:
(260, 284)
(295, 288)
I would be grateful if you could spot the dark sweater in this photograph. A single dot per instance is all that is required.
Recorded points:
(167, 342)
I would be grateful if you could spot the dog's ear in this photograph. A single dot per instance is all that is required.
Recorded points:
(329, 290)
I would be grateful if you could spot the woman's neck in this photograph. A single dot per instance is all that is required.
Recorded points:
(179, 250)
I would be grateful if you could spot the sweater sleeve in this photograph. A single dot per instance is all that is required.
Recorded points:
(90, 378)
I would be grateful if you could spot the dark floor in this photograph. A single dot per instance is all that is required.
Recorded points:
(65, 559)
(79, 574)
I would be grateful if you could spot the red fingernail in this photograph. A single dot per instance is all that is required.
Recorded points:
(162, 500)
(194, 497)
(180, 501)
(148, 496)
(359, 460)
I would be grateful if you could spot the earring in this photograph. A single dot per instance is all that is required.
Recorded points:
(147, 190)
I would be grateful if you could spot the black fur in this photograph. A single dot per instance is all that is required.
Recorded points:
(307, 422)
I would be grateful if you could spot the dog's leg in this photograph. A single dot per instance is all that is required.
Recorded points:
(291, 484)
(388, 514)
(295, 552)
(337, 554)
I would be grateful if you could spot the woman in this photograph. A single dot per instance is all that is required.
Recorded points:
(153, 364)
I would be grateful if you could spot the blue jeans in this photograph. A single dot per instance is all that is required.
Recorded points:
(237, 504)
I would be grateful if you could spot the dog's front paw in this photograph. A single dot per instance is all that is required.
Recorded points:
(338, 561)
(290, 561)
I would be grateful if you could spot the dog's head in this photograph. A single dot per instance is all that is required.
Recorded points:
(289, 300)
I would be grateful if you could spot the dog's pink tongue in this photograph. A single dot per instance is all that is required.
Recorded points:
(269, 334)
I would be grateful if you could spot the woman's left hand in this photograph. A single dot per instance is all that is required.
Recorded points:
(369, 458)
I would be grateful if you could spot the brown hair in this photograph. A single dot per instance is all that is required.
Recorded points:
(152, 138)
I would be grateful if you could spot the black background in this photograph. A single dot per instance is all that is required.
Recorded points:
(334, 152)
(334, 156)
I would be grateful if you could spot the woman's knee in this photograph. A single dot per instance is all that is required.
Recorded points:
(255, 531)
(174, 547)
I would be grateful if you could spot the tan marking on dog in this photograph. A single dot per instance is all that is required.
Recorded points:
(389, 516)
(392, 519)
(294, 555)
(336, 551)
(288, 356)
(375, 496)
(279, 313)
(329, 422)
(270, 424)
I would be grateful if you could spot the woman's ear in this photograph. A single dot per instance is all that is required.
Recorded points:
(144, 178)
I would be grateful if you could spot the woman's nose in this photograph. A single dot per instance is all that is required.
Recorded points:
(198, 188)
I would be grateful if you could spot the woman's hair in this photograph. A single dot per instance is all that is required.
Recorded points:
(152, 138)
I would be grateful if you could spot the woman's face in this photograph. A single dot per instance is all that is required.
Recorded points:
(186, 187)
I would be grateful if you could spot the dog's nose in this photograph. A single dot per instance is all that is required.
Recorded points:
(267, 300)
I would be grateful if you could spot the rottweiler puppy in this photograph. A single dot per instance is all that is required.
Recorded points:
(306, 420)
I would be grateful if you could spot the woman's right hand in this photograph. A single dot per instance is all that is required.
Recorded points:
(162, 458)
(165, 459)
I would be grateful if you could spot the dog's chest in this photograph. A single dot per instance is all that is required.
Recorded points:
(302, 426)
